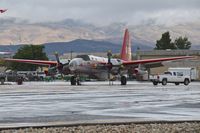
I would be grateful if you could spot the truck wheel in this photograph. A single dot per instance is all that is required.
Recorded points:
(177, 83)
(155, 83)
(164, 82)
(2, 81)
(123, 80)
(186, 82)
(73, 80)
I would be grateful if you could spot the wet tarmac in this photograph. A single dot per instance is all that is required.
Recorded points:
(40, 102)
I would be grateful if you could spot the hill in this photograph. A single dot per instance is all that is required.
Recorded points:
(78, 46)
(15, 31)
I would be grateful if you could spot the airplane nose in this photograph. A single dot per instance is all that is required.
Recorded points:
(72, 65)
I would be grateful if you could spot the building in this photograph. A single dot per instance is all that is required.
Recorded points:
(171, 53)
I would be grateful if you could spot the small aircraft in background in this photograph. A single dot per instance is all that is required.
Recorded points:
(100, 67)
(3, 10)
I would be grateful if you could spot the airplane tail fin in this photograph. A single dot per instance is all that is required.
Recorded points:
(126, 47)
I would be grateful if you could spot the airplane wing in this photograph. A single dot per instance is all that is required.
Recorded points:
(37, 62)
(153, 62)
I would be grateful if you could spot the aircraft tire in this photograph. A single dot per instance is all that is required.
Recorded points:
(123, 80)
(78, 82)
(177, 83)
(73, 80)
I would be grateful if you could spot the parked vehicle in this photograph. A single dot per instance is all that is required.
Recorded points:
(14, 76)
(33, 75)
(190, 71)
(2, 78)
(171, 77)
(41, 75)
(11, 76)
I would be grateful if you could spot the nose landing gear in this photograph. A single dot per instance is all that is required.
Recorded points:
(123, 80)
(75, 80)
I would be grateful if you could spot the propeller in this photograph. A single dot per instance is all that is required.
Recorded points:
(109, 64)
(60, 65)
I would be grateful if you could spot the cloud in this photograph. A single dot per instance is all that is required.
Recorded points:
(103, 12)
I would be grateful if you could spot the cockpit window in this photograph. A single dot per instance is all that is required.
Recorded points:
(84, 57)
(75, 62)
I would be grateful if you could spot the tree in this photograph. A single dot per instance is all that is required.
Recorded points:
(32, 52)
(165, 42)
(182, 43)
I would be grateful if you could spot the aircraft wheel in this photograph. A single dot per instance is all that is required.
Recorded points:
(78, 82)
(73, 80)
(186, 82)
(123, 80)
(164, 82)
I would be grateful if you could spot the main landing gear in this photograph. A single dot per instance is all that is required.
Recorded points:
(75, 80)
(123, 80)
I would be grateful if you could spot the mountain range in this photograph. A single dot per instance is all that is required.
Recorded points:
(73, 35)
(77, 46)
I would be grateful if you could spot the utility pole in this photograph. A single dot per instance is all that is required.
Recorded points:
(71, 54)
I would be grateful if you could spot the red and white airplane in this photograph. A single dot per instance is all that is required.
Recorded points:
(3, 10)
(100, 67)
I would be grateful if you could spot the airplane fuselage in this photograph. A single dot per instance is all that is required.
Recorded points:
(93, 66)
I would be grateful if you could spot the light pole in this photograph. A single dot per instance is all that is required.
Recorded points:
(71, 54)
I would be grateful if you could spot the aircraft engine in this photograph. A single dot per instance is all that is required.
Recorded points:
(50, 72)
(138, 71)
(139, 74)
(66, 70)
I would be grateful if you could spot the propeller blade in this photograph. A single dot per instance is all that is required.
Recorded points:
(109, 55)
(57, 57)
(62, 75)
(59, 66)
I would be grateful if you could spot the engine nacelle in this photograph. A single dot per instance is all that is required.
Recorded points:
(138, 71)
(50, 72)
(66, 70)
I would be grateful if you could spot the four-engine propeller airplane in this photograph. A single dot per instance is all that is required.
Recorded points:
(100, 67)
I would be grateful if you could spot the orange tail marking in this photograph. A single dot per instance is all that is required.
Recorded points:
(126, 47)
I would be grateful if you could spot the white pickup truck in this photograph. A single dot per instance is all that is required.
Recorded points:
(170, 77)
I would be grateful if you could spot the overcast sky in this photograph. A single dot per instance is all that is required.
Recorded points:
(103, 12)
